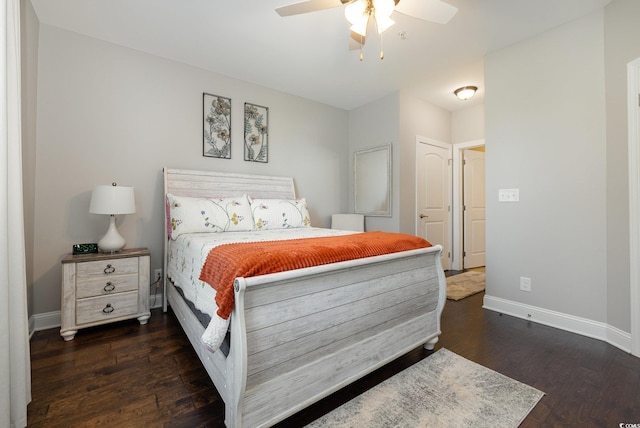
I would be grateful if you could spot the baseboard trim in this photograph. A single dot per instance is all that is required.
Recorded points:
(582, 326)
(31, 325)
(45, 321)
(155, 300)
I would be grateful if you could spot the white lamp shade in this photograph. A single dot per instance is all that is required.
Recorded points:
(112, 200)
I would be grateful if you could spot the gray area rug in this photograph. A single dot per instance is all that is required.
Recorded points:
(443, 390)
(465, 284)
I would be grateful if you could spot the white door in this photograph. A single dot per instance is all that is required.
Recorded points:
(433, 201)
(474, 209)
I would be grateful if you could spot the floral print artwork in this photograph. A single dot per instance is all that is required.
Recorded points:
(256, 133)
(216, 141)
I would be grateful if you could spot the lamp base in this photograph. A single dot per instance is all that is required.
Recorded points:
(111, 242)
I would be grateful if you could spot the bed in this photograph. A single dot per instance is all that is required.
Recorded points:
(294, 336)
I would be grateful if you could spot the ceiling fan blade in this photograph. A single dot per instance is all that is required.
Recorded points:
(428, 10)
(356, 41)
(309, 6)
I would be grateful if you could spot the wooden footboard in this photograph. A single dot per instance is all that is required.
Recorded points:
(298, 336)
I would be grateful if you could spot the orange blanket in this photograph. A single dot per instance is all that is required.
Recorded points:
(227, 262)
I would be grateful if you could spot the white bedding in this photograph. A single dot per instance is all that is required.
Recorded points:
(187, 254)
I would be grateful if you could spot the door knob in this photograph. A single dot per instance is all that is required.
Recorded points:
(423, 216)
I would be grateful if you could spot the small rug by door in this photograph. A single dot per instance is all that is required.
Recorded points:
(443, 390)
(465, 284)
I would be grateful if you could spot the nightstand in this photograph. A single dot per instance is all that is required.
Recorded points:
(103, 288)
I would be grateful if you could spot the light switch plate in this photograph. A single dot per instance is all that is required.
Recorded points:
(508, 195)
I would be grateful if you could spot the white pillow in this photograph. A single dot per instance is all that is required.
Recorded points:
(279, 213)
(191, 215)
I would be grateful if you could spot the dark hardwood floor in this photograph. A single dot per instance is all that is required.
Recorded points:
(128, 375)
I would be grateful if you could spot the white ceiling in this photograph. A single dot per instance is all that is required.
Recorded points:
(307, 55)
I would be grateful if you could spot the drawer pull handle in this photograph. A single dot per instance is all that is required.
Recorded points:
(109, 269)
(109, 287)
(108, 309)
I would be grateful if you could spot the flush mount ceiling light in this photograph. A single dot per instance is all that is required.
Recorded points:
(465, 92)
(359, 12)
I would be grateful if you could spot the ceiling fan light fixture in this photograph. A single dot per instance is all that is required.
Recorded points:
(465, 92)
(359, 12)
(356, 11)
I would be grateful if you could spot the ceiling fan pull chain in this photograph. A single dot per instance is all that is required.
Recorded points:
(361, 54)
(381, 48)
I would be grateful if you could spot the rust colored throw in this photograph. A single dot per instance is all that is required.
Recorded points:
(227, 262)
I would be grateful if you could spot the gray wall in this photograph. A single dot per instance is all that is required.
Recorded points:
(622, 45)
(397, 119)
(467, 124)
(545, 134)
(107, 113)
(373, 125)
(556, 119)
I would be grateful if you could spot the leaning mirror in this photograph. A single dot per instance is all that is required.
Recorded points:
(372, 181)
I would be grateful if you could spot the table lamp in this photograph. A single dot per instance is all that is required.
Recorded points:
(112, 200)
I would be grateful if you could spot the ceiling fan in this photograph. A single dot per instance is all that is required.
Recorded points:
(359, 12)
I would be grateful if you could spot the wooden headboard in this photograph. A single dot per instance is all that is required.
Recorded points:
(184, 182)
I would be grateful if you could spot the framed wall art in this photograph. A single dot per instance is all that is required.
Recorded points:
(256, 133)
(216, 121)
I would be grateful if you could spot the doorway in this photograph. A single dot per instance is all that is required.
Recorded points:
(468, 227)
(473, 208)
(440, 200)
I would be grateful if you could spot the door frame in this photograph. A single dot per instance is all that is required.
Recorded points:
(457, 221)
(633, 89)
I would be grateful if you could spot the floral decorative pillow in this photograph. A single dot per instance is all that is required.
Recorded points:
(279, 213)
(191, 215)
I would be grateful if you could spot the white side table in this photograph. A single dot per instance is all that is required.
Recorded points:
(104, 288)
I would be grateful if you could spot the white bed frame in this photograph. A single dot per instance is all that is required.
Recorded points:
(301, 335)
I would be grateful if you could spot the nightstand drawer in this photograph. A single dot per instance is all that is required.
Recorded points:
(105, 268)
(101, 308)
(106, 285)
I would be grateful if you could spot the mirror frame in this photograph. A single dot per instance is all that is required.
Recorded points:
(372, 181)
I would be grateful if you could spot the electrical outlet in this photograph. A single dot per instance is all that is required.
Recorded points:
(158, 274)
(525, 284)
